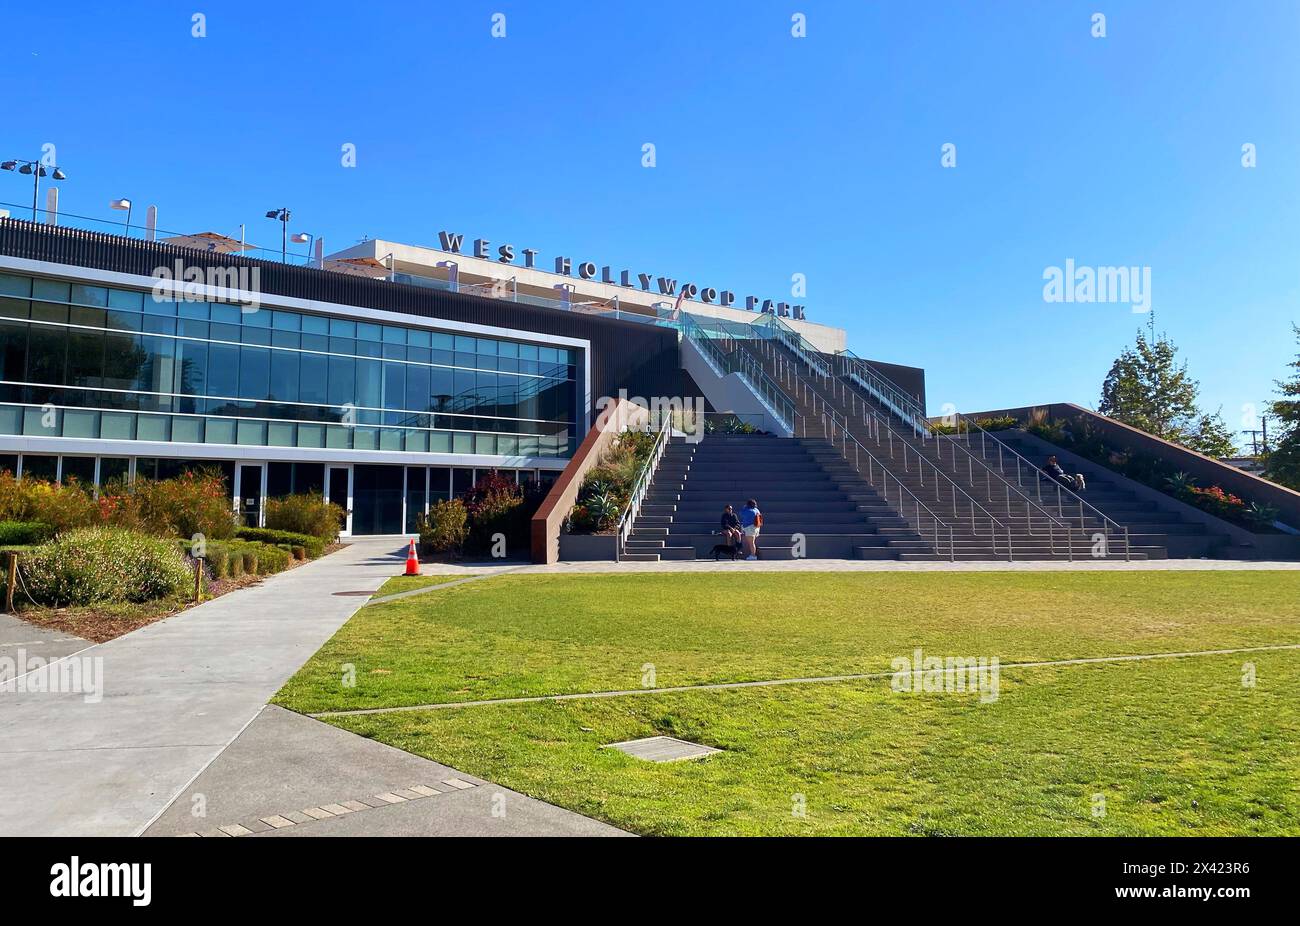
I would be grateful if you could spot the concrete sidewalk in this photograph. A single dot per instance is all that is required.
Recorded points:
(175, 694)
(21, 642)
(310, 779)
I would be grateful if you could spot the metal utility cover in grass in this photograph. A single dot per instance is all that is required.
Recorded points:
(663, 749)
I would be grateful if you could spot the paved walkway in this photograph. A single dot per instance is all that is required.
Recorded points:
(21, 642)
(175, 694)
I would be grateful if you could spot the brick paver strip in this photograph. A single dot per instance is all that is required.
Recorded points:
(809, 680)
(328, 811)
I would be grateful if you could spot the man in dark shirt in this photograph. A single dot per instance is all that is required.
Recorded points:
(1053, 469)
(731, 526)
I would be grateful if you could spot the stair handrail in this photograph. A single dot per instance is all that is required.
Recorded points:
(846, 363)
(814, 398)
(641, 487)
(820, 405)
(1062, 491)
(765, 389)
(829, 429)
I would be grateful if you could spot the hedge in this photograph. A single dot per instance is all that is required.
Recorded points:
(24, 533)
(314, 546)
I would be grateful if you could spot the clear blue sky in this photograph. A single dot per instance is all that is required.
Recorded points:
(775, 155)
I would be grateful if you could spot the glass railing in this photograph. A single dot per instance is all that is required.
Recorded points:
(716, 343)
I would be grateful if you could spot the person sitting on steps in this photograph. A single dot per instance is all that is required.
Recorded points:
(1053, 469)
(751, 522)
(731, 532)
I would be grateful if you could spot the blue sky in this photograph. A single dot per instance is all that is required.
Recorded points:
(775, 155)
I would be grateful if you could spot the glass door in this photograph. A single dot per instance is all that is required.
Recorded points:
(248, 493)
(338, 489)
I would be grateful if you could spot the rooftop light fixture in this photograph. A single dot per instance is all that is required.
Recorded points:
(123, 205)
(37, 170)
(282, 215)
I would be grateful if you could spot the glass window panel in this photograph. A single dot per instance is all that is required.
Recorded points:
(88, 317)
(343, 381)
(441, 389)
(417, 441)
(284, 376)
(286, 321)
(219, 431)
(417, 337)
(417, 388)
(158, 372)
(80, 422)
(317, 342)
(15, 308)
(124, 321)
(369, 391)
(130, 300)
(440, 442)
(117, 426)
(40, 466)
(50, 312)
(113, 468)
(154, 324)
(285, 339)
(342, 328)
(255, 335)
(89, 295)
(54, 290)
(394, 334)
(280, 434)
(365, 438)
(153, 427)
(225, 313)
(485, 385)
(462, 442)
(46, 355)
(11, 419)
(256, 318)
(338, 437)
(193, 309)
(279, 479)
(390, 439)
(251, 432)
(394, 386)
(369, 348)
(311, 435)
(85, 358)
(254, 373)
(369, 332)
(312, 379)
(223, 370)
(191, 367)
(187, 430)
(219, 331)
(12, 285)
(153, 306)
(13, 351)
(315, 324)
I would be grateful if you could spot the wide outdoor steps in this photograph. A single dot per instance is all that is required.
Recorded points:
(951, 483)
(808, 510)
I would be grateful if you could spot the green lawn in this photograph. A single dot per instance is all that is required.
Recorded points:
(538, 635)
(407, 583)
(1175, 746)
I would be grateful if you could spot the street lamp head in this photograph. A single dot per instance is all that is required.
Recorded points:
(273, 214)
(25, 169)
(122, 205)
(300, 238)
(8, 165)
(59, 175)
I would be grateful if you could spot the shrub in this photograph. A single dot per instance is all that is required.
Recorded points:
(249, 558)
(24, 533)
(495, 506)
(192, 503)
(98, 564)
(218, 560)
(444, 529)
(61, 507)
(314, 546)
(304, 514)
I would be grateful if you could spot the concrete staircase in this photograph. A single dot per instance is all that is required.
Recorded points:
(802, 487)
(962, 489)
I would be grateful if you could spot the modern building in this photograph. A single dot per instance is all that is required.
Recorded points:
(383, 380)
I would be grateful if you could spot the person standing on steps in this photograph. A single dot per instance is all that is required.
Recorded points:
(751, 522)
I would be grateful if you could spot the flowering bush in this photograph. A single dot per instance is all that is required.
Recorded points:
(103, 564)
(60, 507)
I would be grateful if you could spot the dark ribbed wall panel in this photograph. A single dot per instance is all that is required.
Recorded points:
(643, 359)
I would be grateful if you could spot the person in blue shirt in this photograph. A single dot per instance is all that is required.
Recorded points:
(751, 523)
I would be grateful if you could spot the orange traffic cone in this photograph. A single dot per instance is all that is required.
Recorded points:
(412, 561)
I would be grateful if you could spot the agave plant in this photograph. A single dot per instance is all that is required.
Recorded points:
(1180, 483)
(1261, 515)
(603, 509)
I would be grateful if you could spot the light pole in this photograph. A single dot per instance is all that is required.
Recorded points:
(282, 214)
(306, 238)
(37, 170)
(123, 205)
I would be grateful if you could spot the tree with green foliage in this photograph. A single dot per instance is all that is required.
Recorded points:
(1284, 458)
(1148, 389)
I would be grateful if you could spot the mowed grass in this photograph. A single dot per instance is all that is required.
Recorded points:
(1172, 747)
(408, 583)
(538, 635)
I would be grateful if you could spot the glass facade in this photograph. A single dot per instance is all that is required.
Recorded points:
(97, 362)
